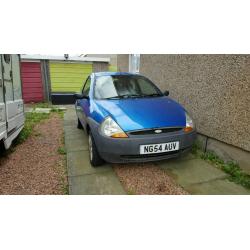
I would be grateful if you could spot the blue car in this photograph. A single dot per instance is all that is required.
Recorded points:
(128, 119)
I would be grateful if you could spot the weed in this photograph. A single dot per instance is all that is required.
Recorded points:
(37, 133)
(130, 192)
(195, 148)
(212, 157)
(61, 151)
(236, 174)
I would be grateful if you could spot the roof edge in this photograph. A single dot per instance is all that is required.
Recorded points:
(62, 58)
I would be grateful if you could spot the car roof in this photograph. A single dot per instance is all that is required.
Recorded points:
(114, 74)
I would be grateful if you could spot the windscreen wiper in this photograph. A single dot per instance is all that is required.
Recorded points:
(116, 97)
(152, 95)
(131, 96)
(122, 97)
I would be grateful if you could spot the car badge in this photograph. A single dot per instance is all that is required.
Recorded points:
(158, 131)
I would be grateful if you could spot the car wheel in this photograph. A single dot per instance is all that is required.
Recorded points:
(94, 156)
(79, 125)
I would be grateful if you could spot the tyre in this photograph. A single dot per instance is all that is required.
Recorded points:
(94, 156)
(2, 148)
(79, 125)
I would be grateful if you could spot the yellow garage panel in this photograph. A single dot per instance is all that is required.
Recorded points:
(112, 68)
(68, 77)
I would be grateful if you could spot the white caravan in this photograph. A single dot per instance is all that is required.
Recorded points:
(11, 102)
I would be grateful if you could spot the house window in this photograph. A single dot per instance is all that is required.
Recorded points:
(134, 63)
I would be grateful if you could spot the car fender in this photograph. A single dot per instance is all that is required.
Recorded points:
(93, 125)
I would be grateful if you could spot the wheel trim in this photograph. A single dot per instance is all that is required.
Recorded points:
(90, 148)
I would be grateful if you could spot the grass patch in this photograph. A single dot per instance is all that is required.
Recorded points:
(42, 105)
(31, 119)
(58, 111)
(236, 174)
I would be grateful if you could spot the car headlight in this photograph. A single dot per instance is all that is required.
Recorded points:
(110, 128)
(189, 123)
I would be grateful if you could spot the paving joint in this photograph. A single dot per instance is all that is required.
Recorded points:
(102, 171)
(76, 150)
(210, 180)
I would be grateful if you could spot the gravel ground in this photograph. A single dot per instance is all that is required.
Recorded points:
(146, 179)
(35, 166)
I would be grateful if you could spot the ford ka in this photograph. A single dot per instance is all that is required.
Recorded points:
(129, 119)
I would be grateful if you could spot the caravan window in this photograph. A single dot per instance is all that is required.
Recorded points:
(7, 58)
(17, 87)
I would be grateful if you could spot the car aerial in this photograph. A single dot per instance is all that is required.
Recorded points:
(128, 119)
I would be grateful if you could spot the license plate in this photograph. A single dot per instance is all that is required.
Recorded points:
(159, 148)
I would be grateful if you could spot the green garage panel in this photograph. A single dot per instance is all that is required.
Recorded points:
(69, 77)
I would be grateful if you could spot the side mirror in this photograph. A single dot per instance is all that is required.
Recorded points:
(166, 93)
(80, 96)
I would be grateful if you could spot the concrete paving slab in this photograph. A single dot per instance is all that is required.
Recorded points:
(80, 165)
(76, 144)
(71, 117)
(42, 110)
(28, 110)
(70, 122)
(62, 108)
(76, 136)
(185, 157)
(72, 134)
(98, 183)
(217, 187)
(192, 171)
(70, 128)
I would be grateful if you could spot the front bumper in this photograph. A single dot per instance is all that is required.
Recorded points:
(125, 150)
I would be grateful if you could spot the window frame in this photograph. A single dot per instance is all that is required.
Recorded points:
(140, 76)
(84, 92)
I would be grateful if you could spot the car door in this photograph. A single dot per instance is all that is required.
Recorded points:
(83, 104)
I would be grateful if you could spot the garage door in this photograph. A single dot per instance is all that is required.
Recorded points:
(32, 82)
(68, 77)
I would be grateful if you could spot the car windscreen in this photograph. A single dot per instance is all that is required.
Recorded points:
(124, 86)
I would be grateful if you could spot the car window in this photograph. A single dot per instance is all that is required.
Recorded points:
(124, 86)
(145, 87)
(105, 88)
(86, 87)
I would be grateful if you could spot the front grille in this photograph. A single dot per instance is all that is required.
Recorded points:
(152, 131)
(149, 155)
